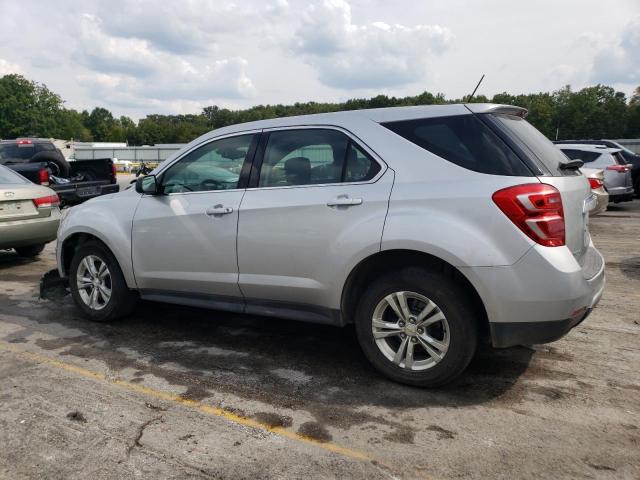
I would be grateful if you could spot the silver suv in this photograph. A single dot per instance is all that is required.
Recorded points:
(427, 227)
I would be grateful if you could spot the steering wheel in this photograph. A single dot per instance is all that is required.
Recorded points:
(209, 184)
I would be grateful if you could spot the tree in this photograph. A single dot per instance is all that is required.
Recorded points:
(101, 124)
(593, 112)
(633, 118)
(27, 108)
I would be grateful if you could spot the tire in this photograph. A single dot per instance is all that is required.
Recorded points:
(458, 331)
(30, 251)
(119, 303)
(57, 163)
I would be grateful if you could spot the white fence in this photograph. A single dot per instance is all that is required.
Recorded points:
(157, 153)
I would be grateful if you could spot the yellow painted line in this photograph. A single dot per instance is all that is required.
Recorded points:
(193, 404)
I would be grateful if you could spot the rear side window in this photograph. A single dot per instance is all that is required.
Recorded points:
(313, 157)
(586, 157)
(463, 140)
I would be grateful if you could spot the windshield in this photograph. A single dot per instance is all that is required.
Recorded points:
(13, 150)
(9, 177)
(534, 142)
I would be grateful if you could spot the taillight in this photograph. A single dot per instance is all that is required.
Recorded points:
(114, 173)
(47, 202)
(43, 177)
(619, 168)
(536, 209)
(594, 183)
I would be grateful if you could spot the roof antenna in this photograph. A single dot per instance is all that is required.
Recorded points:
(475, 89)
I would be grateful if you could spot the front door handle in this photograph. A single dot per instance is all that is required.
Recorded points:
(344, 201)
(218, 210)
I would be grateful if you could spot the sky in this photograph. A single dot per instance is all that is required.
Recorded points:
(137, 57)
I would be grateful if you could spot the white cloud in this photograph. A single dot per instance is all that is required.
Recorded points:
(180, 28)
(375, 55)
(7, 67)
(144, 56)
(133, 67)
(619, 63)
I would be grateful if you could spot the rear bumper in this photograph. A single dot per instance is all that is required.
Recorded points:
(22, 233)
(620, 194)
(74, 194)
(542, 296)
(527, 333)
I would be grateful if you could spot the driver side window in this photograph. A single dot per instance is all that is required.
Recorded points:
(214, 166)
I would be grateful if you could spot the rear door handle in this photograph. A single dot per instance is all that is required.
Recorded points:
(344, 201)
(218, 210)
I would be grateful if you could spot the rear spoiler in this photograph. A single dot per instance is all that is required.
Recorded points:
(500, 109)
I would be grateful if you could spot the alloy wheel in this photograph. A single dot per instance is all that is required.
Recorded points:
(93, 280)
(410, 330)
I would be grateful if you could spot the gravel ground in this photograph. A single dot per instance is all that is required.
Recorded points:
(174, 392)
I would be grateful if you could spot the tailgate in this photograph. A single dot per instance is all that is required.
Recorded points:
(575, 192)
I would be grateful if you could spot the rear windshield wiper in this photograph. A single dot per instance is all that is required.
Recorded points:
(571, 165)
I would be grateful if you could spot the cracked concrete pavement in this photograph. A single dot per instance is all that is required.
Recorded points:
(176, 392)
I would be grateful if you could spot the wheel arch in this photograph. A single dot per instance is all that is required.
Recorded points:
(387, 261)
(72, 242)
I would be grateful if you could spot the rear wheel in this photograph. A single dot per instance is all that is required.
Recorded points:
(417, 327)
(30, 250)
(97, 284)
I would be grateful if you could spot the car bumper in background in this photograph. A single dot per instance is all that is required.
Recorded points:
(74, 194)
(542, 296)
(620, 194)
(29, 232)
(602, 201)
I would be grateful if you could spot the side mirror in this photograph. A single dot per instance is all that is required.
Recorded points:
(147, 185)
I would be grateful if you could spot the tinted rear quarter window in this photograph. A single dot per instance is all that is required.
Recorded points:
(464, 140)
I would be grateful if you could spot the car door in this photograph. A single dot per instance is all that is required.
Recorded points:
(316, 205)
(184, 239)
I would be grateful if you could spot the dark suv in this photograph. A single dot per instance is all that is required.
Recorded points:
(34, 150)
(41, 162)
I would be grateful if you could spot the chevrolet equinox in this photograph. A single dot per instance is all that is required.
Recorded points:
(427, 227)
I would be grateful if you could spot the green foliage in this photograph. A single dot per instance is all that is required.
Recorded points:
(27, 108)
(633, 116)
(31, 109)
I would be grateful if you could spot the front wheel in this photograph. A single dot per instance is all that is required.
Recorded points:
(417, 327)
(97, 284)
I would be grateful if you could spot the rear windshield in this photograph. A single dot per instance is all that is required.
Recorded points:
(533, 143)
(9, 177)
(586, 157)
(464, 140)
(13, 150)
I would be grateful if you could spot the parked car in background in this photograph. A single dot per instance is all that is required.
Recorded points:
(630, 157)
(617, 173)
(595, 177)
(427, 227)
(29, 214)
(41, 162)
